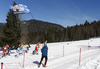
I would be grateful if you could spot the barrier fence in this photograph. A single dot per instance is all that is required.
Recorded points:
(19, 65)
(27, 65)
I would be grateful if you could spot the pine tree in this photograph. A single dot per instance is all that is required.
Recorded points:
(11, 30)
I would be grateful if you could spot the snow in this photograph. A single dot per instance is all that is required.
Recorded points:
(61, 55)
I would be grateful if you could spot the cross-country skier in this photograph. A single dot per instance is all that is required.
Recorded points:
(17, 52)
(8, 51)
(36, 50)
(1, 52)
(4, 52)
(29, 45)
(44, 51)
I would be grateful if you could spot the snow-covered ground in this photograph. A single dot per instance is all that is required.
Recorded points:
(61, 55)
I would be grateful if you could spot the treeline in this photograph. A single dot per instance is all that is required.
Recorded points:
(77, 32)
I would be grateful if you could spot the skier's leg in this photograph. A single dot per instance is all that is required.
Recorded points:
(41, 60)
(46, 58)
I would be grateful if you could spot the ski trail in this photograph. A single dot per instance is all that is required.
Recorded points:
(65, 63)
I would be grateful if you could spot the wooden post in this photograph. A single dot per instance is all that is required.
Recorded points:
(63, 51)
(23, 59)
(2, 65)
(80, 57)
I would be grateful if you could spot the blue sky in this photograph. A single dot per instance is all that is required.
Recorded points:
(63, 12)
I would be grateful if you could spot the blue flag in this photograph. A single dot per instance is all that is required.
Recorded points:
(19, 9)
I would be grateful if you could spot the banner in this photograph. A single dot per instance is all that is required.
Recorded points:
(19, 9)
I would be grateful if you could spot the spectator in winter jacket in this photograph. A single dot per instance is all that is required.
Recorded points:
(44, 51)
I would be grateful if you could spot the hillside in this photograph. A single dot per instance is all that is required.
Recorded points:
(35, 25)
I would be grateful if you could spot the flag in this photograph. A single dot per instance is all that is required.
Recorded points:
(19, 9)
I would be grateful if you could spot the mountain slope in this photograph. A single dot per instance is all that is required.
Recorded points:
(35, 25)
